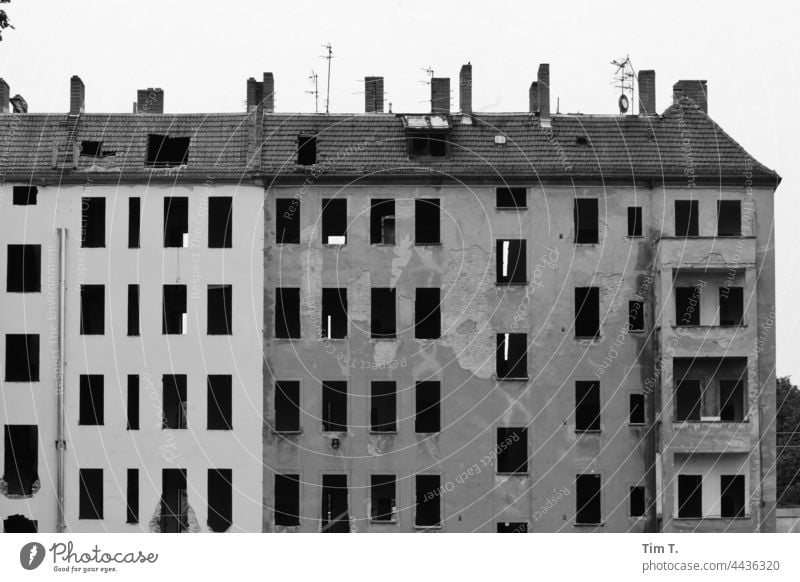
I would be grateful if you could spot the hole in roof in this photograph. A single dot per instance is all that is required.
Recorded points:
(581, 140)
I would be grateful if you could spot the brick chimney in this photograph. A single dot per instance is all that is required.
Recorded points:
(77, 95)
(543, 81)
(697, 91)
(465, 89)
(533, 97)
(150, 100)
(18, 104)
(268, 92)
(373, 94)
(5, 92)
(647, 92)
(440, 95)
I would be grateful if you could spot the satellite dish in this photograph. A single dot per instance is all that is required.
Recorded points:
(623, 103)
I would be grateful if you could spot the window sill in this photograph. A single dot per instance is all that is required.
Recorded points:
(333, 339)
(384, 432)
(427, 244)
(383, 339)
(586, 244)
(227, 429)
(510, 208)
(598, 524)
(25, 292)
(744, 421)
(499, 474)
(427, 527)
(384, 521)
(674, 326)
(287, 340)
(634, 236)
(637, 424)
(391, 244)
(589, 431)
(712, 517)
(288, 432)
(511, 283)
(592, 338)
(511, 379)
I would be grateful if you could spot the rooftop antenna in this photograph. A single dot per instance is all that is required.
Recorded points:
(624, 77)
(329, 56)
(314, 78)
(429, 73)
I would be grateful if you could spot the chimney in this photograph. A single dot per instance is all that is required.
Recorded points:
(440, 95)
(533, 97)
(647, 92)
(373, 94)
(465, 89)
(19, 104)
(255, 93)
(543, 93)
(697, 91)
(150, 100)
(77, 94)
(268, 92)
(5, 92)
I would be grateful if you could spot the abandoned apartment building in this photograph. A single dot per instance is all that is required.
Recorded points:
(381, 322)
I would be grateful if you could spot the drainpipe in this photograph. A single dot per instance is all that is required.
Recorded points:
(61, 444)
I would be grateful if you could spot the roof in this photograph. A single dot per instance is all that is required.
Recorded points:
(683, 144)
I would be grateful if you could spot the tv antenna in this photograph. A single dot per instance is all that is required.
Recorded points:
(329, 57)
(314, 78)
(428, 73)
(624, 80)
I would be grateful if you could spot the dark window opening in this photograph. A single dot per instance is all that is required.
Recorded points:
(423, 144)
(133, 402)
(512, 527)
(587, 406)
(219, 401)
(220, 222)
(220, 310)
(93, 306)
(586, 221)
(220, 499)
(512, 450)
(636, 315)
(165, 152)
(427, 313)
(176, 221)
(25, 195)
(426, 221)
(335, 518)
(688, 398)
(731, 305)
(428, 512)
(732, 496)
(133, 310)
(428, 407)
(92, 149)
(174, 401)
(636, 409)
(381, 222)
(287, 313)
(384, 498)
(174, 501)
(93, 222)
(687, 305)
(287, 500)
(306, 150)
(383, 313)
(690, 496)
(637, 503)
(512, 197)
(134, 222)
(587, 312)
(512, 356)
(334, 313)
(132, 497)
(287, 212)
(334, 406)
(729, 218)
(731, 400)
(334, 221)
(21, 459)
(22, 357)
(90, 500)
(511, 261)
(174, 310)
(91, 399)
(587, 499)
(581, 140)
(634, 221)
(383, 407)
(287, 406)
(20, 524)
(686, 218)
(24, 269)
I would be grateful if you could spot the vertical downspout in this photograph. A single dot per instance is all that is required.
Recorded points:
(61, 444)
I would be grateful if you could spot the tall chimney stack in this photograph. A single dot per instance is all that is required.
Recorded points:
(697, 91)
(543, 81)
(465, 89)
(440, 95)
(77, 95)
(5, 93)
(533, 97)
(150, 100)
(268, 92)
(255, 93)
(373, 94)
(647, 92)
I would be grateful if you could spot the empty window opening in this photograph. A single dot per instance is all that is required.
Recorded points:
(690, 496)
(219, 401)
(732, 496)
(634, 221)
(732, 400)
(512, 527)
(587, 406)
(383, 313)
(428, 407)
(165, 152)
(731, 305)
(220, 499)
(334, 221)
(132, 497)
(587, 312)
(287, 500)
(423, 144)
(176, 221)
(511, 261)
(587, 499)
(220, 310)
(93, 222)
(383, 406)
(687, 305)
(636, 409)
(426, 221)
(306, 150)
(428, 492)
(636, 315)
(174, 501)
(512, 197)
(20, 524)
(174, 310)
(90, 500)
(21, 459)
(93, 149)
(134, 222)
(287, 406)
(287, 212)
(91, 399)
(93, 306)
(133, 310)
(383, 505)
(25, 195)
(334, 313)
(22, 357)
(174, 398)
(729, 218)
(512, 356)
(335, 518)
(220, 222)
(636, 502)
(334, 406)
(381, 222)
(287, 313)
(428, 313)
(133, 402)
(24, 269)
(688, 400)
(586, 221)
(512, 450)
(686, 218)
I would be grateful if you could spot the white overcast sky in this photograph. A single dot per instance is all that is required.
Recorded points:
(202, 52)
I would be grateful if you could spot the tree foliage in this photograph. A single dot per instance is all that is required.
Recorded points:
(788, 443)
(4, 22)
